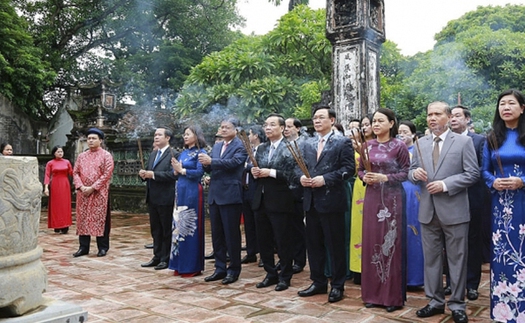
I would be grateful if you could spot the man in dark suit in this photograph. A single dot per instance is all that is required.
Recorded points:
(291, 133)
(256, 136)
(330, 159)
(444, 170)
(273, 203)
(226, 164)
(479, 202)
(160, 197)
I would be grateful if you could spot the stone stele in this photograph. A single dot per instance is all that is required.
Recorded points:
(23, 277)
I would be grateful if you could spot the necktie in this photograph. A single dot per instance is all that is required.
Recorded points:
(270, 154)
(435, 152)
(224, 146)
(159, 153)
(320, 147)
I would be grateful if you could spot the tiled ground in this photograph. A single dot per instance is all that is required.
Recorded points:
(116, 289)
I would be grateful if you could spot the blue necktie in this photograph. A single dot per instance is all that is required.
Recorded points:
(159, 153)
(270, 154)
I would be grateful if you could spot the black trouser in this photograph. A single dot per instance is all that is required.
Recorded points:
(102, 242)
(161, 220)
(325, 235)
(275, 226)
(298, 235)
(249, 228)
(475, 251)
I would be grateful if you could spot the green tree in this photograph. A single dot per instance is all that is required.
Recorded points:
(476, 56)
(147, 46)
(283, 71)
(392, 75)
(509, 17)
(24, 75)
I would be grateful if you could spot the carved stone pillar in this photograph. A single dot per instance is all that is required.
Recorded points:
(23, 277)
(356, 30)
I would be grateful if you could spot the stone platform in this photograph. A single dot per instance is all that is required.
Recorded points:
(116, 289)
(52, 311)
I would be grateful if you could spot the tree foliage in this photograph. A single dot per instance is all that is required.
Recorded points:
(509, 17)
(23, 74)
(475, 57)
(283, 71)
(146, 46)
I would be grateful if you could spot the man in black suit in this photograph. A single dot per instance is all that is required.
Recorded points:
(330, 160)
(291, 133)
(256, 136)
(226, 164)
(273, 203)
(160, 197)
(479, 204)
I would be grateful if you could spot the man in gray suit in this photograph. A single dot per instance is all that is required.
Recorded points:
(444, 165)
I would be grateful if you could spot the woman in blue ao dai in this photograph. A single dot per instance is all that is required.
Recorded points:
(414, 245)
(503, 171)
(187, 250)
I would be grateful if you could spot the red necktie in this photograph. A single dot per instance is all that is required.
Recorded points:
(224, 146)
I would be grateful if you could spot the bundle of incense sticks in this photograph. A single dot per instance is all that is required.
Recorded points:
(140, 153)
(362, 149)
(493, 142)
(416, 142)
(296, 153)
(248, 147)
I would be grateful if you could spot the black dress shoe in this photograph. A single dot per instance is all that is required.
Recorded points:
(248, 259)
(267, 282)
(336, 295)
(102, 253)
(370, 305)
(57, 230)
(459, 316)
(152, 263)
(161, 265)
(64, 230)
(261, 264)
(312, 290)
(210, 256)
(215, 276)
(448, 290)
(429, 311)
(297, 269)
(80, 252)
(148, 245)
(282, 285)
(391, 309)
(472, 294)
(229, 279)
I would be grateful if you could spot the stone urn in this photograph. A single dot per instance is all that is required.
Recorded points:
(23, 277)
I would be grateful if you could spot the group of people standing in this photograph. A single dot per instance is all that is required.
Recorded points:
(416, 208)
(91, 178)
(417, 205)
(452, 173)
